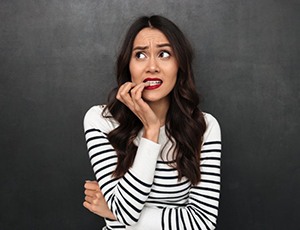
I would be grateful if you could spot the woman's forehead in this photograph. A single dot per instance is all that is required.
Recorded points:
(150, 35)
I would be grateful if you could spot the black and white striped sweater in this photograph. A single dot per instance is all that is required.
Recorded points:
(149, 196)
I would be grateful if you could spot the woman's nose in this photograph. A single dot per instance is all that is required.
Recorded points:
(153, 66)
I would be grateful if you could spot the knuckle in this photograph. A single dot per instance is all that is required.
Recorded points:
(118, 97)
(93, 208)
(99, 195)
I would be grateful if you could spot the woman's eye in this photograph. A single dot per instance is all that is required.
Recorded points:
(164, 54)
(140, 55)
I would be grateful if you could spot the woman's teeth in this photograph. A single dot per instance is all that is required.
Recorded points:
(152, 83)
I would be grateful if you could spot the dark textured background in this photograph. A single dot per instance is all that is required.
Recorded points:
(57, 60)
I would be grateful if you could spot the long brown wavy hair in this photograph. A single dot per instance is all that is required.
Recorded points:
(185, 124)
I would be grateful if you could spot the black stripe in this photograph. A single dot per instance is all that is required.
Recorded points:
(194, 218)
(210, 158)
(104, 151)
(212, 142)
(172, 185)
(110, 197)
(211, 166)
(166, 177)
(205, 211)
(98, 145)
(206, 196)
(182, 219)
(173, 198)
(210, 150)
(103, 176)
(95, 138)
(164, 204)
(112, 200)
(107, 183)
(116, 227)
(211, 181)
(135, 188)
(190, 219)
(94, 130)
(211, 174)
(130, 204)
(162, 219)
(102, 160)
(127, 213)
(119, 214)
(166, 162)
(170, 219)
(169, 200)
(207, 189)
(168, 192)
(201, 218)
(138, 180)
(176, 218)
(166, 169)
(130, 194)
(105, 167)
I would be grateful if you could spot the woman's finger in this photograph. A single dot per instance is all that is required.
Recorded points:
(89, 199)
(124, 94)
(94, 197)
(91, 193)
(89, 206)
(124, 90)
(91, 185)
(137, 93)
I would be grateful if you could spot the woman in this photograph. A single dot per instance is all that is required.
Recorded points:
(155, 155)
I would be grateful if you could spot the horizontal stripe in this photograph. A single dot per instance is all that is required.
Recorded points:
(103, 160)
(102, 152)
(212, 143)
(171, 185)
(210, 150)
(94, 130)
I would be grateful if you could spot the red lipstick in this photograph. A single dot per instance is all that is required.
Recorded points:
(154, 83)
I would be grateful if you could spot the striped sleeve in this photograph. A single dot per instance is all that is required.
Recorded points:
(202, 209)
(125, 196)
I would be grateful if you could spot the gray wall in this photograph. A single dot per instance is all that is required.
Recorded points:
(57, 60)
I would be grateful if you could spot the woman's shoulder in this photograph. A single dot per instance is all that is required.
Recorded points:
(95, 110)
(213, 130)
(94, 113)
(209, 118)
(98, 117)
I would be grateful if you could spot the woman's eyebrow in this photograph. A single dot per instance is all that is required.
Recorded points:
(140, 48)
(163, 45)
(147, 47)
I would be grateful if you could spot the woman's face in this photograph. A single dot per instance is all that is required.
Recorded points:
(152, 60)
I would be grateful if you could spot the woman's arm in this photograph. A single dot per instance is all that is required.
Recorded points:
(125, 196)
(95, 202)
(201, 211)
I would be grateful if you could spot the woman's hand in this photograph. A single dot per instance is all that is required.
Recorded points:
(95, 202)
(130, 94)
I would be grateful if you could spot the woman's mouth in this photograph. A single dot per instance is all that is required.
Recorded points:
(153, 83)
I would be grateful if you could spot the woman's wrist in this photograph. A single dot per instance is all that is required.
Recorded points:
(151, 134)
(111, 216)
